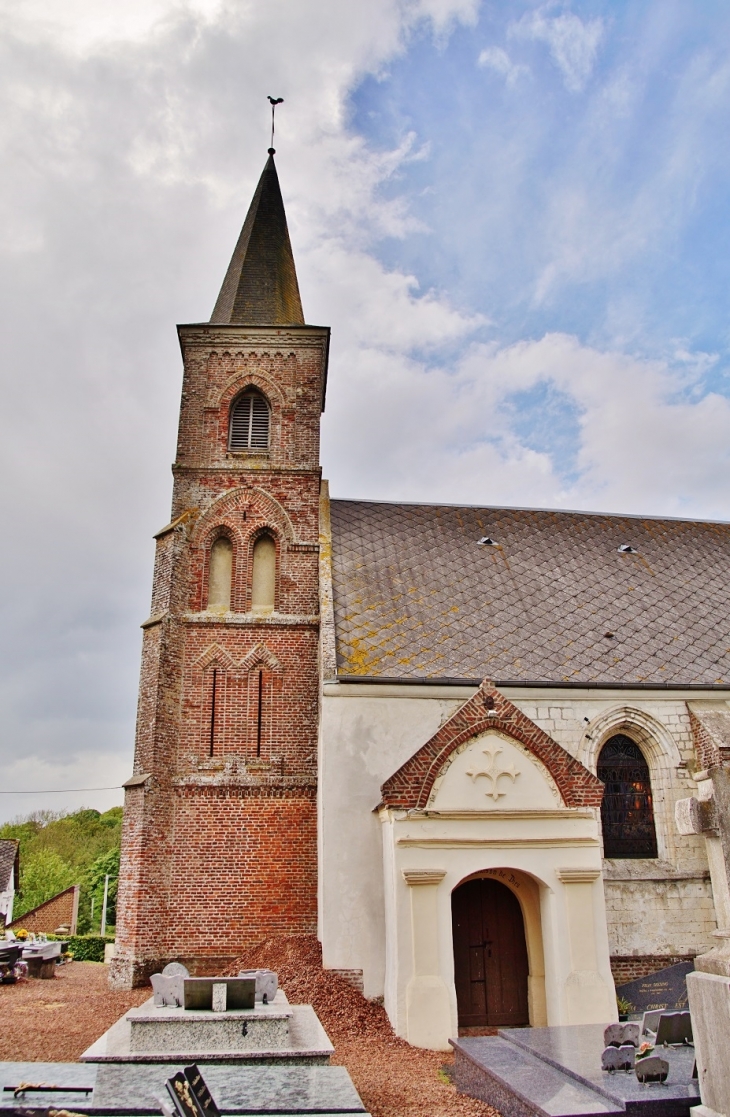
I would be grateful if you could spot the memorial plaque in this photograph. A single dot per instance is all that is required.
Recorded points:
(665, 989)
(674, 1027)
(198, 992)
(200, 1091)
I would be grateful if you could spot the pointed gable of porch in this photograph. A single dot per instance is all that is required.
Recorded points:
(488, 709)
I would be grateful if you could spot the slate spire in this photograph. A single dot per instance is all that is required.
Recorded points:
(260, 287)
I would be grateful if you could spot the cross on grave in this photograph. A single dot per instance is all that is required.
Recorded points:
(493, 772)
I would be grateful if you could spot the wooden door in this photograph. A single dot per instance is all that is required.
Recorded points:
(490, 955)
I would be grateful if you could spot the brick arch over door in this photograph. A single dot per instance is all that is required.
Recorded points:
(411, 785)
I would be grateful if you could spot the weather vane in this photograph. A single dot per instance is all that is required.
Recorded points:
(274, 101)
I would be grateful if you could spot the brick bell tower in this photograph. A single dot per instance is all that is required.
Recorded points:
(219, 840)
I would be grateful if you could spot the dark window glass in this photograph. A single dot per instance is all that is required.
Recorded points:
(249, 423)
(627, 814)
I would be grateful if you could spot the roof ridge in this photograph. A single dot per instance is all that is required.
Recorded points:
(522, 508)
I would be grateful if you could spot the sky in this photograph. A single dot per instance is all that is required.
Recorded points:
(514, 216)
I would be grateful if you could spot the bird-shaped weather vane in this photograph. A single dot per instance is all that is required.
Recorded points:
(274, 101)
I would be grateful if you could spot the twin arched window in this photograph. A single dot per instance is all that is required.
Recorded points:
(263, 575)
(250, 422)
(627, 812)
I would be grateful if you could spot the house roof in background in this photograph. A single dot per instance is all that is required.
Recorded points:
(8, 859)
(551, 598)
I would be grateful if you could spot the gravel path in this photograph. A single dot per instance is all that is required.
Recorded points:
(56, 1020)
(393, 1078)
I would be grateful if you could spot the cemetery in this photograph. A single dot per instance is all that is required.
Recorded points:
(412, 830)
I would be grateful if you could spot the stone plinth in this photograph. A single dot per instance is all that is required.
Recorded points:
(556, 1072)
(275, 1033)
(709, 1000)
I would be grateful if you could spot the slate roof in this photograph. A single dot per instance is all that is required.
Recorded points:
(8, 856)
(260, 287)
(416, 597)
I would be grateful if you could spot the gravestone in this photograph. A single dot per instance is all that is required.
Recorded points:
(666, 989)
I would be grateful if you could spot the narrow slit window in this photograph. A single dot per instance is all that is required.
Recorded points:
(263, 581)
(250, 422)
(219, 576)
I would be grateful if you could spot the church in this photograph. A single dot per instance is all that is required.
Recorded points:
(447, 740)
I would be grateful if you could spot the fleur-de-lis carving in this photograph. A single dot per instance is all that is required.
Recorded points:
(493, 772)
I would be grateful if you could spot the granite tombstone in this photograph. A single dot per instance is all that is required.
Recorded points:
(665, 989)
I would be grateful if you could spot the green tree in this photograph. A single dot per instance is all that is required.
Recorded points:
(58, 849)
(42, 875)
(94, 886)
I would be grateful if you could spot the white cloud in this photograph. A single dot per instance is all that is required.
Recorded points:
(448, 434)
(497, 59)
(132, 137)
(573, 42)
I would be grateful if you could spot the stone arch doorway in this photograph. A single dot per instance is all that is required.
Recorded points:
(490, 955)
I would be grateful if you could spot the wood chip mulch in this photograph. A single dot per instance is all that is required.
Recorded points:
(55, 1020)
(392, 1078)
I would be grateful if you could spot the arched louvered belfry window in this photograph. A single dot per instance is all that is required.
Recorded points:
(250, 422)
(627, 813)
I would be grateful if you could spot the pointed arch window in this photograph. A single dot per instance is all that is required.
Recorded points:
(250, 422)
(627, 811)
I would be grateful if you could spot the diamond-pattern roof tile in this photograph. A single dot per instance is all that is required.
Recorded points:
(415, 597)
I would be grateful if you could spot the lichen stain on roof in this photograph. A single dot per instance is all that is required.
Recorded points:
(416, 597)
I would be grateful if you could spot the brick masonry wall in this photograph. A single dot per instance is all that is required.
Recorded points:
(59, 911)
(631, 969)
(219, 841)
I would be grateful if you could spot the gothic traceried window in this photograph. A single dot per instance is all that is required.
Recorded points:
(250, 421)
(627, 813)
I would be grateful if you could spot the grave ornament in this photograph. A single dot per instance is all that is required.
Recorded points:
(168, 987)
(652, 1069)
(267, 983)
(617, 1034)
(618, 1058)
(190, 1094)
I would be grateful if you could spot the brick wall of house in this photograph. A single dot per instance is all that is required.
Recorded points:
(219, 841)
(60, 911)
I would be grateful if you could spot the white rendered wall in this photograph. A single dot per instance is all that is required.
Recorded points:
(368, 731)
(364, 739)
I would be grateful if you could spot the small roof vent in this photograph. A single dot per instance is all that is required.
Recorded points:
(627, 549)
(485, 541)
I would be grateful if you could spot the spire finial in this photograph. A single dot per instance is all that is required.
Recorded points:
(274, 101)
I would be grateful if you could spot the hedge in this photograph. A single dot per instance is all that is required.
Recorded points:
(85, 948)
